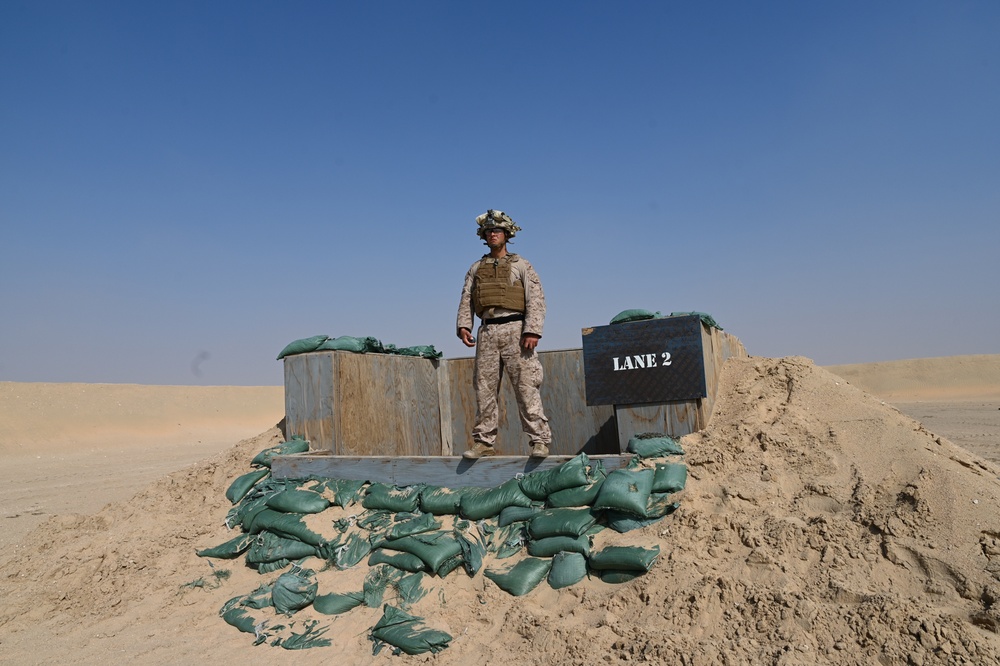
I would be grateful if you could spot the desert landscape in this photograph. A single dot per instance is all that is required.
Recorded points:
(838, 515)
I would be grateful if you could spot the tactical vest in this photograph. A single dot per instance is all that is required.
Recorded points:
(492, 287)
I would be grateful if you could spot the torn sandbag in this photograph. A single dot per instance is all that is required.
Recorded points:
(407, 633)
(294, 591)
(242, 485)
(335, 604)
(296, 444)
(228, 550)
(521, 578)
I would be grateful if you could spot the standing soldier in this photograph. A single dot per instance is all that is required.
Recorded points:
(504, 291)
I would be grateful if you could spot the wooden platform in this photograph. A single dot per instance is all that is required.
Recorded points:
(446, 471)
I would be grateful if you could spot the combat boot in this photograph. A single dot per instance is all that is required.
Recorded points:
(539, 450)
(479, 450)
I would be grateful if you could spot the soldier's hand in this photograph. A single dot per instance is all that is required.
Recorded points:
(529, 341)
(466, 336)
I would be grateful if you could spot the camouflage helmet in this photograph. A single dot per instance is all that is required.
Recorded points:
(496, 218)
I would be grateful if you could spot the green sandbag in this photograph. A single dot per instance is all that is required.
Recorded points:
(310, 637)
(422, 523)
(635, 314)
(617, 577)
(345, 491)
(295, 445)
(293, 591)
(440, 501)
(571, 474)
(335, 604)
(392, 498)
(269, 547)
(549, 546)
(517, 514)
(561, 522)
(242, 485)
(669, 478)
(350, 550)
(410, 589)
(706, 319)
(303, 346)
(450, 565)
(352, 344)
(241, 619)
(288, 525)
(377, 580)
(567, 569)
(229, 550)
(624, 558)
(521, 578)
(507, 541)
(406, 632)
(404, 561)
(660, 505)
(265, 568)
(375, 520)
(626, 490)
(582, 496)
(480, 503)
(259, 598)
(423, 351)
(431, 547)
(473, 551)
(622, 522)
(654, 445)
(297, 500)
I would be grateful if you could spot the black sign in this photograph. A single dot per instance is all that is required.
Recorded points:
(651, 361)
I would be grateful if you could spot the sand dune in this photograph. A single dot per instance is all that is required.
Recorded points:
(820, 525)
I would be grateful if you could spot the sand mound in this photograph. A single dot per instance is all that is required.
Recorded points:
(818, 526)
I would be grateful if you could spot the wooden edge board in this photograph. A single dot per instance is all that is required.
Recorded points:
(446, 471)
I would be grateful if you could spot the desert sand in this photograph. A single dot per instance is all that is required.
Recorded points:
(843, 515)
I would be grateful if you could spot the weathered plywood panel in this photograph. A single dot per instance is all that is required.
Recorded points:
(309, 394)
(388, 405)
(363, 404)
(575, 426)
(446, 471)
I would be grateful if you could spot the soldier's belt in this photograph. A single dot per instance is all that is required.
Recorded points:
(503, 320)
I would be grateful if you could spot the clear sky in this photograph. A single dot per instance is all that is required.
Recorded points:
(186, 187)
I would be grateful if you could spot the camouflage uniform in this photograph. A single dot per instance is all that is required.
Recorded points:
(498, 349)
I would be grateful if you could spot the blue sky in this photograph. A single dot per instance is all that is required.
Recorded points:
(186, 187)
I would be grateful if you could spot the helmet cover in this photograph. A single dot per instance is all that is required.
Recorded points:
(492, 219)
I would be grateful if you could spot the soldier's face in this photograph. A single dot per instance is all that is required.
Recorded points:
(495, 237)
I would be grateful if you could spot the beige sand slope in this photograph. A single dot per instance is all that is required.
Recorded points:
(75, 447)
(819, 525)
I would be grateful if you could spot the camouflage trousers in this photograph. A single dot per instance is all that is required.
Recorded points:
(498, 350)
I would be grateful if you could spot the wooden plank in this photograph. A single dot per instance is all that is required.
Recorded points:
(447, 471)
(388, 405)
(672, 418)
(444, 407)
(309, 398)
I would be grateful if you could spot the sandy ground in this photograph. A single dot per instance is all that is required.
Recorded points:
(829, 518)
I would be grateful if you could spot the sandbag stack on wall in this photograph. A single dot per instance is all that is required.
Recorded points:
(540, 525)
